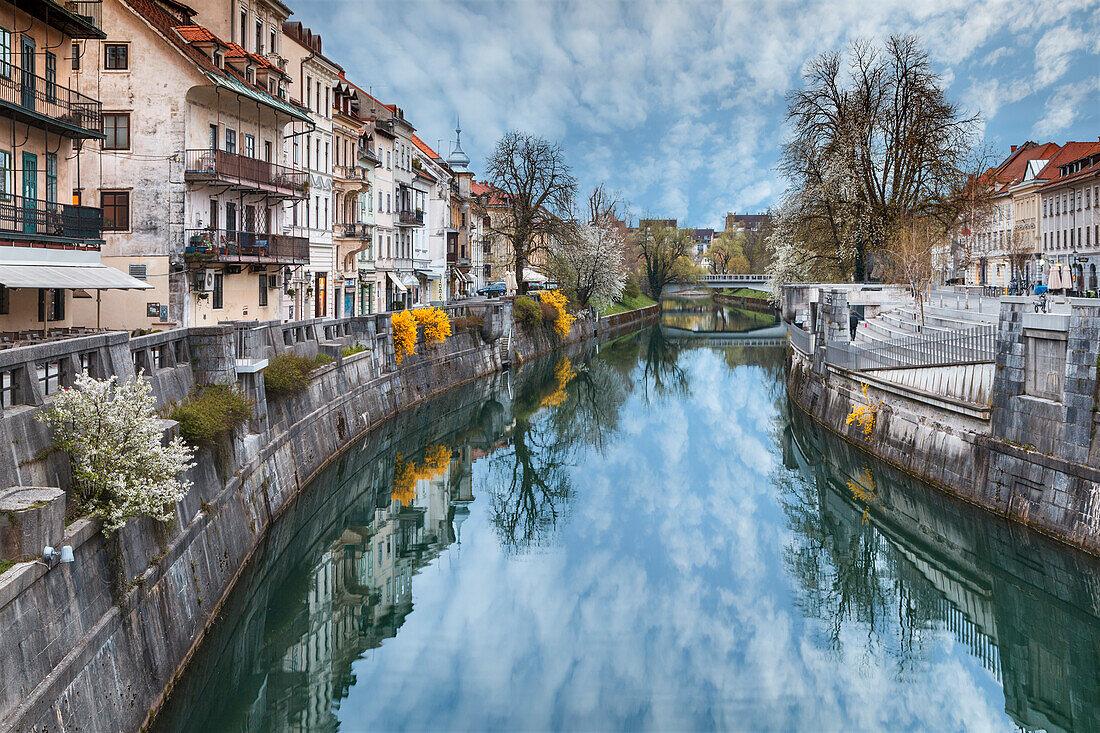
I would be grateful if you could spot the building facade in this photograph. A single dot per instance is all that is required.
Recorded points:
(1071, 221)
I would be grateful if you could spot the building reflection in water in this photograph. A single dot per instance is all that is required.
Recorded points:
(905, 562)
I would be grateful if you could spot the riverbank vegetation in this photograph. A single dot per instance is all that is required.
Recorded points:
(210, 413)
(288, 374)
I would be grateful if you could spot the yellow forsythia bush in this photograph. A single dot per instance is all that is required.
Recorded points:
(556, 300)
(864, 415)
(435, 323)
(563, 375)
(404, 334)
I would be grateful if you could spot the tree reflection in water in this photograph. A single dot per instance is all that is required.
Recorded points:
(663, 375)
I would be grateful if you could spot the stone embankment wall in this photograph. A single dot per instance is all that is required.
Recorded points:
(96, 644)
(1033, 459)
(740, 301)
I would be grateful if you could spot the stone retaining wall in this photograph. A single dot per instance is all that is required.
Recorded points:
(95, 645)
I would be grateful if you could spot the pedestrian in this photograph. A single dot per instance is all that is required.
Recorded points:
(853, 323)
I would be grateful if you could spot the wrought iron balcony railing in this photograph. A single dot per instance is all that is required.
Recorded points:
(39, 101)
(220, 245)
(221, 167)
(410, 218)
(34, 219)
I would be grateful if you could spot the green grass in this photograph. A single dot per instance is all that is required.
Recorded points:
(748, 293)
(629, 304)
(5, 565)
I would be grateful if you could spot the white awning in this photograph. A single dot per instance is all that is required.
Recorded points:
(462, 276)
(396, 283)
(530, 276)
(410, 281)
(70, 277)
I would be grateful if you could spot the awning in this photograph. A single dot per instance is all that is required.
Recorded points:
(396, 283)
(530, 276)
(69, 277)
(410, 281)
(462, 276)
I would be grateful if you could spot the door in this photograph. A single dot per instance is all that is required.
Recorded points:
(30, 193)
(27, 73)
(349, 303)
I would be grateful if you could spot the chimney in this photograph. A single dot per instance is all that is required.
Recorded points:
(1013, 150)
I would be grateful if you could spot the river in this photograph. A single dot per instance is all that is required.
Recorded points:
(643, 537)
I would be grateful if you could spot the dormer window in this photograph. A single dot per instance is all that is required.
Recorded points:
(219, 60)
(249, 76)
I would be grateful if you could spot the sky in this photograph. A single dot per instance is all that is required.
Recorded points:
(679, 106)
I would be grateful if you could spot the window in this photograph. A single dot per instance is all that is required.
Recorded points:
(213, 223)
(388, 166)
(328, 105)
(116, 210)
(230, 141)
(1078, 200)
(216, 297)
(139, 272)
(259, 37)
(326, 156)
(263, 289)
(243, 40)
(294, 154)
(250, 145)
(51, 77)
(267, 151)
(5, 53)
(116, 56)
(213, 137)
(218, 59)
(51, 178)
(388, 201)
(309, 92)
(5, 300)
(249, 76)
(1088, 198)
(116, 128)
(273, 47)
(51, 305)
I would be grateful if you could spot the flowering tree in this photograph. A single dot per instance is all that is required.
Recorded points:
(590, 262)
(121, 468)
(404, 334)
(563, 321)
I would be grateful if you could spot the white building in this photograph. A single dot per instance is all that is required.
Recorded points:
(193, 165)
(313, 79)
(1071, 219)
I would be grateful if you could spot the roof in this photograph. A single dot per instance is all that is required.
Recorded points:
(496, 197)
(1091, 168)
(1069, 152)
(1014, 167)
(424, 148)
(180, 32)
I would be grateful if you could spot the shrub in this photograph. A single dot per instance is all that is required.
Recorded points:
(631, 289)
(120, 467)
(563, 322)
(353, 350)
(404, 334)
(211, 412)
(549, 312)
(528, 312)
(468, 323)
(435, 323)
(288, 374)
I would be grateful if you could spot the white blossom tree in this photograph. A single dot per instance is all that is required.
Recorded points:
(120, 466)
(590, 263)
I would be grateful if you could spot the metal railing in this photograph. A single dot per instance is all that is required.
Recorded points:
(734, 278)
(360, 230)
(970, 346)
(231, 246)
(414, 218)
(31, 93)
(233, 168)
(351, 172)
(36, 218)
(801, 340)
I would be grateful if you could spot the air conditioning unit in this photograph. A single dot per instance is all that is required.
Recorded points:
(207, 280)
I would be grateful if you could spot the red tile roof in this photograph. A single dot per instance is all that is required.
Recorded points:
(424, 148)
(196, 34)
(1012, 170)
(1067, 154)
(1089, 171)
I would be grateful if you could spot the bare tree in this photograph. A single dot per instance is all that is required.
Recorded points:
(911, 250)
(536, 187)
(665, 257)
(875, 141)
(1020, 251)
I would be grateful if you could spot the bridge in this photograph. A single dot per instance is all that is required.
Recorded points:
(774, 335)
(729, 280)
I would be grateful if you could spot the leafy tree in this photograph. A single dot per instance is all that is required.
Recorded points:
(120, 465)
(727, 254)
(665, 256)
(536, 188)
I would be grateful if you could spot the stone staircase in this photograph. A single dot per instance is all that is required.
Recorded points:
(905, 321)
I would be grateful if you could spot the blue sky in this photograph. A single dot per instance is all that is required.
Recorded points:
(679, 105)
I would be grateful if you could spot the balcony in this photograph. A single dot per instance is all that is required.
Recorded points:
(409, 218)
(259, 248)
(351, 173)
(354, 231)
(218, 166)
(53, 224)
(460, 260)
(74, 18)
(41, 103)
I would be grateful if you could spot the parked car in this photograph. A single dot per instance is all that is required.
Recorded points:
(492, 290)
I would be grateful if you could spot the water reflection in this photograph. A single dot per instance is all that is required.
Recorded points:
(700, 314)
(646, 538)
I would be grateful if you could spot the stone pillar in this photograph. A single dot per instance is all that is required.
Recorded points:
(833, 316)
(1079, 393)
(1010, 373)
(213, 354)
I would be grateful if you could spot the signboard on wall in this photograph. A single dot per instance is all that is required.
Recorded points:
(152, 310)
